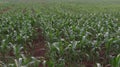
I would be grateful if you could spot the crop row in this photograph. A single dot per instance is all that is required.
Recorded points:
(71, 38)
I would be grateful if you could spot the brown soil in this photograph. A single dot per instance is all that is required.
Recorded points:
(39, 45)
(89, 64)
(39, 50)
(4, 10)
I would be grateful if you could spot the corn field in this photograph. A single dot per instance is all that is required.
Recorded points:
(59, 33)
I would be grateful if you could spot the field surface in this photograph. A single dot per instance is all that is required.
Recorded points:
(59, 33)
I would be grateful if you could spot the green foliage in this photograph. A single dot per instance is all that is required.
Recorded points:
(75, 32)
(116, 61)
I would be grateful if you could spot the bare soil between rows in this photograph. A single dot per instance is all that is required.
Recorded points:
(4, 10)
(38, 48)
